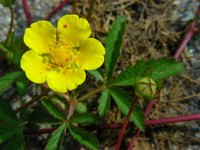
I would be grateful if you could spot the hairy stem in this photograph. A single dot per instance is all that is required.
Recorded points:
(11, 22)
(55, 10)
(27, 11)
(37, 98)
(92, 92)
(123, 130)
(71, 108)
(89, 16)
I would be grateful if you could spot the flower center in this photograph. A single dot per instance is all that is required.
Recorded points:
(62, 55)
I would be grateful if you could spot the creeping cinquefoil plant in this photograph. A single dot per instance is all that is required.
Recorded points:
(60, 56)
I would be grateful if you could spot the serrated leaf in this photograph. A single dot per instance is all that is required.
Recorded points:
(7, 80)
(84, 137)
(86, 118)
(52, 109)
(124, 101)
(55, 140)
(96, 74)
(157, 69)
(126, 78)
(113, 45)
(21, 84)
(104, 103)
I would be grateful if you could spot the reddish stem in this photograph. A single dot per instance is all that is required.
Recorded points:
(186, 40)
(55, 10)
(27, 11)
(138, 131)
(173, 119)
(119, 125)
(123, 130)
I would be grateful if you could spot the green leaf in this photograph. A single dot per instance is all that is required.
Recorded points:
(86, 118)
(84, 137)
(52, 109)
(54, 142)
(157, 69)
(126, 78)
(80, 107)
(22, 84)
(7, 80)
(7, 3)
(113, 45)
(104, 103)
(16, 142)
(124, 101)
(96, 74)
(7, 131)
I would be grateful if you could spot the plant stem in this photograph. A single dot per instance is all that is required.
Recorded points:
(74, 10)
(27, 11)
(93, 92)
(123, 130)
(55, 10)
(186, 40)
(37, 98)
(173, 119)
(11, 22)
(71, 108)
(89, 16)
(40, 131)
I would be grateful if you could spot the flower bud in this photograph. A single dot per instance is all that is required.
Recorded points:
(145, 88)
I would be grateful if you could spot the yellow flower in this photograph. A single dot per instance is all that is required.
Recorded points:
(61, 56)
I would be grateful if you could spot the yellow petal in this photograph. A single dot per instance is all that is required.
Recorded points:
(91, 55)
(64, 80)
(35, 69)
(73, 29)
(40, 36)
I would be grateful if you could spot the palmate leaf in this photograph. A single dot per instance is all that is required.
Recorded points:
(104, 103)
(97, 74)
(124, 101)
(84, 137)
(54, 142)
(113, 45)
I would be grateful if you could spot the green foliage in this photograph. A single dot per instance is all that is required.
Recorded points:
(54, 142)
(13, 49)
(80, 107)
(124, 101)
(7, 80)
(21, 84)
(97, 74)
(85, 118)
(7, 3)
(104, 103)
(84, 137)
(113, 45)
(52, 109)
(124, 79)
(11, 130)
(157, 69)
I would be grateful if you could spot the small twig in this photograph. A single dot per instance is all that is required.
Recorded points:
(40, 131)
(93, 92)
(37, 98)
(55, 10)
(74, 10)
(89, 16)
(11, 22)
(121, 134)
(27, 11)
